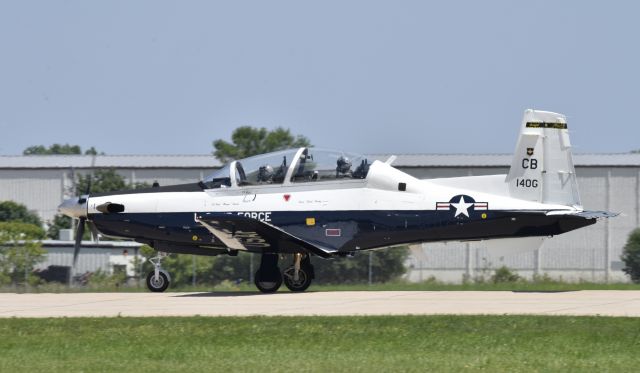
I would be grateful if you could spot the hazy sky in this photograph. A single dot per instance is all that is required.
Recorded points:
(132, 77)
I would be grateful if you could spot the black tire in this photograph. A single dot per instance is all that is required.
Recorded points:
(267, 286)
(161, 285)
(305, 276)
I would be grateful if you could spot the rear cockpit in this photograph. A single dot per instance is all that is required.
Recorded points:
(324, 165)
(302, 165)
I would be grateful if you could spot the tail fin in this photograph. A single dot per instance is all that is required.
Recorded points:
(542, 168)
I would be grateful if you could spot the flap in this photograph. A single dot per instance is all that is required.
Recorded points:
(242, 233)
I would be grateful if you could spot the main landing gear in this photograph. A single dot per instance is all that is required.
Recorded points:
(158, 280)
(297, 277)
(268, 278)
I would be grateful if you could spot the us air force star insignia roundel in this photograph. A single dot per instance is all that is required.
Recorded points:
(462, 205)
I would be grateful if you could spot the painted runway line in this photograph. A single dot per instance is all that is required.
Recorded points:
(604, 303)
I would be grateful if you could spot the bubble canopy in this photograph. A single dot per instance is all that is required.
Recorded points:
(301, 165)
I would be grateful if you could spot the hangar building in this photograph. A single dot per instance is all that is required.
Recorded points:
(609, 182)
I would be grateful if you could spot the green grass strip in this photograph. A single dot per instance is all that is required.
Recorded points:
(354, 344)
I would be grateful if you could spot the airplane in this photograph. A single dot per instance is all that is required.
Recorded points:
(309, 202)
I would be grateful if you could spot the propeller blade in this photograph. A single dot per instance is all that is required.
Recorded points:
(79, 233)
(83, 197)
(88, 186)
(93, 229)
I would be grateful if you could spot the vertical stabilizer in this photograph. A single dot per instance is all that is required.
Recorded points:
(542, 168)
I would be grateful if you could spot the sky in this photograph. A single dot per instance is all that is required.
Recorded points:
(169, 77)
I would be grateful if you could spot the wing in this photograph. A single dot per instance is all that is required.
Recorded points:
(243, 233)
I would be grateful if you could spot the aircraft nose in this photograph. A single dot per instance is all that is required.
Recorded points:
(73, 208)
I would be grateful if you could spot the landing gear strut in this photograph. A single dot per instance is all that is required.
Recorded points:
(158, 280)
(268, 278)
(298, 277)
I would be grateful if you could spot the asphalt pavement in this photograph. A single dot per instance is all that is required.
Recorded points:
(605, 303)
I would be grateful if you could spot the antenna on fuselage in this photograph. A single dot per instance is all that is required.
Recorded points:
(390, 160)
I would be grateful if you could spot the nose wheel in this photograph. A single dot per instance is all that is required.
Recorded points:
(158, 280)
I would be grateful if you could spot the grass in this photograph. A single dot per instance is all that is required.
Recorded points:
(392, 343)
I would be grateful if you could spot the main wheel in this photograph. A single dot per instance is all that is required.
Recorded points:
(158, 285)
(303, 282)
(265, 286)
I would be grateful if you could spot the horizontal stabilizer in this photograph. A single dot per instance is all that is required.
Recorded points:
(585, 214)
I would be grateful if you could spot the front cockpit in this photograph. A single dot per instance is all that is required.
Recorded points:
(302, 165)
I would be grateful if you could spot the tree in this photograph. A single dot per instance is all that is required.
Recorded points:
(12, 211)
(631, 256)
(59, 222)
(58, 149)
(101, 181)
(107, 180)
(248, 141)
(20, 251)
(230, 268)
(92, 151)
(387, 265)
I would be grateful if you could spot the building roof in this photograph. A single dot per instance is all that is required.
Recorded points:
(200, 161)
(447, 160)
(89, 244)
(504, 160)
(206, 161)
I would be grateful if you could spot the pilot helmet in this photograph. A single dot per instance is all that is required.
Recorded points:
(344, 165)
(265, 174)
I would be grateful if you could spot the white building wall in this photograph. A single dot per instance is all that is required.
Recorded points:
(39, 190)
(91, 259)
(167, 176)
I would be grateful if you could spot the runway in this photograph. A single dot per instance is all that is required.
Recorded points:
(604, 303)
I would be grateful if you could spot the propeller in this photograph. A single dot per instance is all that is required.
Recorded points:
(81, 221)
(79, 233)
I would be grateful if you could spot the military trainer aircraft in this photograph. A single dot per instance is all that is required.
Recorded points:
(308, 202)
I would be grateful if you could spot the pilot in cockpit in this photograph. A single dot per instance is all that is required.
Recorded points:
(343, 168)
(265, 174)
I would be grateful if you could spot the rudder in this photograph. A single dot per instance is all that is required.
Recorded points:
(542, 167)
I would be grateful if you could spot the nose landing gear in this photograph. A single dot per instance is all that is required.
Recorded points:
(158, 280)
